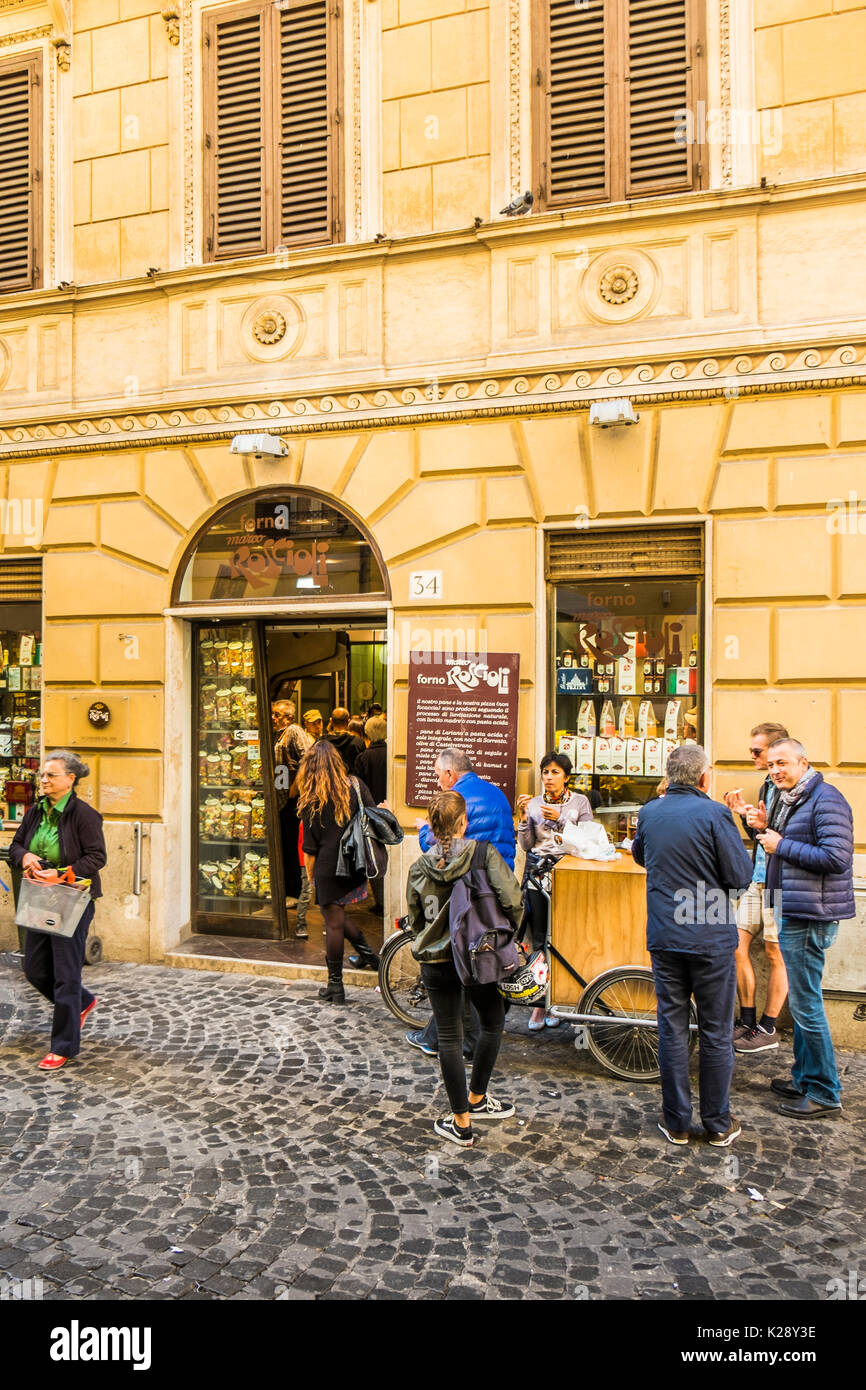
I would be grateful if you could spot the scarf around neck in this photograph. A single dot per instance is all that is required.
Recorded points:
(794, 794)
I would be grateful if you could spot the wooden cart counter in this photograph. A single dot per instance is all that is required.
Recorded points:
(598, 920)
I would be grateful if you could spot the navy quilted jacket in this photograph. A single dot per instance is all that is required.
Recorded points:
(815, 857)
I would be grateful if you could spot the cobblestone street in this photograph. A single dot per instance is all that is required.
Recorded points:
(229, 1137)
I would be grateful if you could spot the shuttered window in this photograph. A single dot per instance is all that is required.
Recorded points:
(626, 552)
(20, 186)
(272, 121)
(614, 80)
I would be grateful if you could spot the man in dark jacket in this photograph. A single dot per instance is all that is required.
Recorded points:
(809, 843)
(348, 745)
(695, 862)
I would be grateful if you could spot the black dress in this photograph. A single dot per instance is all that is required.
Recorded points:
(322, 837)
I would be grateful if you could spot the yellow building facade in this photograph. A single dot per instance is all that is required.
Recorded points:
(432, 370)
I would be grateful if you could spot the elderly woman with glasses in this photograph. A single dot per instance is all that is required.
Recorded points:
(60, 831)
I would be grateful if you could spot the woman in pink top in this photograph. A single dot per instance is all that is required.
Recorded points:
(541, 819)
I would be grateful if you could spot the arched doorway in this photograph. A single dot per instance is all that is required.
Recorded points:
(287, 599)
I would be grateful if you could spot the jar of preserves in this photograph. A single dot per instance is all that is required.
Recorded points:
(239, 704)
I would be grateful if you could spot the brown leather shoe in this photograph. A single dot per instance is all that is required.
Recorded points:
(721, 1141)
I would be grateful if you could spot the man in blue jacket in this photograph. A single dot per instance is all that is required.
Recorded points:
(695, 863)
(809, 843)
(488, 817)
(488, 814)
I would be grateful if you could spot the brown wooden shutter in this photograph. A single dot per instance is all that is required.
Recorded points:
(20, 149)
(612, 81)
(575, 115)
(658, 88)
(307, 106)
(238, 132)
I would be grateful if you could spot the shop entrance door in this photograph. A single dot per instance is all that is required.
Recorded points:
(241, 860)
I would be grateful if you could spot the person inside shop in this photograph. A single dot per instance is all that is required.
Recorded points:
(754, 914)
(542, 818)
(372, 762)
(371, 766)
(375, 711)
(289, 749)
(58, 832)
(428, 899)
(313, 724)
(327, 801)
(488, 818)
(347, 744)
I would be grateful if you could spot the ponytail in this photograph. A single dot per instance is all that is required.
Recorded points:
(445, 813)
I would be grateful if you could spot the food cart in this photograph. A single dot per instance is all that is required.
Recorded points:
(600, 968)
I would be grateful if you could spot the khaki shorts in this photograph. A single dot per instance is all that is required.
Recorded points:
(752, 914)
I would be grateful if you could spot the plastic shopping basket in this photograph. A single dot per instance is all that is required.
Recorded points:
(55, 908)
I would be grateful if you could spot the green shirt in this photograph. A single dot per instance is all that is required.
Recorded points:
(46, 841)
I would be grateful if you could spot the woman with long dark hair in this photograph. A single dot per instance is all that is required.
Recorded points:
(428, 898)
(327, 801)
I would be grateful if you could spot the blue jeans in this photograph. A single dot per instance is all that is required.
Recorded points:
(713, 981)
(803, 944)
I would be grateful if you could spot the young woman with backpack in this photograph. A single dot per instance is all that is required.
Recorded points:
(428, 894)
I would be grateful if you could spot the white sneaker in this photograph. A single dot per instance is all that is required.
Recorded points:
(491, 1109)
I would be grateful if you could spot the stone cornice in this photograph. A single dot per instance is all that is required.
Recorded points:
(642, 213)
(453, 398)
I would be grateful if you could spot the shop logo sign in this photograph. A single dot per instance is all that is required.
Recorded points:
(468, 675)
(574, 680)
(275, 557)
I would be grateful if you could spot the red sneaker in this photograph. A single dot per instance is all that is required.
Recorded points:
(53, 1062)
(84, 1012)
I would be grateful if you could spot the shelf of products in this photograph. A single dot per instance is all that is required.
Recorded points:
(20, 718)
(234, 873)
(628, 684)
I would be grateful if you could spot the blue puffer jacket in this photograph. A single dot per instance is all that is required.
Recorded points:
(488, 816)
(815, 857)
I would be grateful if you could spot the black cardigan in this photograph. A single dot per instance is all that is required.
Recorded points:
(322, 837)
(80, 837)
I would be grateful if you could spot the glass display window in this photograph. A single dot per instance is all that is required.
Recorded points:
(20, 707)
(628, 686)
(236, 861)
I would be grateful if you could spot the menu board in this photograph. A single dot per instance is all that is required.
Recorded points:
(464, 702)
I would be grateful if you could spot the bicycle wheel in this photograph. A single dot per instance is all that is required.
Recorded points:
(625, 1049)
(400, 981)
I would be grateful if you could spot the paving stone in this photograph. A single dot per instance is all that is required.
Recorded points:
(180, 1158)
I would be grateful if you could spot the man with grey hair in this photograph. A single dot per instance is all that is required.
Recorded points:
(488, 814)
(809, 843)
(695, 861)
